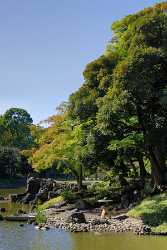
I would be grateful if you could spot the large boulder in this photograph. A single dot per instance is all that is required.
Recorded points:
(53, 194)
(33, 185)
(76, 217)
(28, 198)
(125, 201)
(82, 205)
(41, 189)
(42, 195)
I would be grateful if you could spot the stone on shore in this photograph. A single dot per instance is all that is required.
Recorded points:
(76, 217)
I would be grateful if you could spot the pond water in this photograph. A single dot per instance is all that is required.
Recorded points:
(26, 237)
(12, 208)
(14, 237)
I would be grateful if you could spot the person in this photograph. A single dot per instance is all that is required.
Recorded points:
(104, 212)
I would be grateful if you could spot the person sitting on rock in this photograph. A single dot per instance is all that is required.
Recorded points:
(104, 212)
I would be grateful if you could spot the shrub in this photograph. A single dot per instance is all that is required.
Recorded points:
(68, 195)
(40, 217)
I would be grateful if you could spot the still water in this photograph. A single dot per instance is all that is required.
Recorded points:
(15, 237)
(12, 208)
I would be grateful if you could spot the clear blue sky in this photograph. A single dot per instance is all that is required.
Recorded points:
(46, 44)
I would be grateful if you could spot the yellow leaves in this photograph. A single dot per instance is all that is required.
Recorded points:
(52, 143)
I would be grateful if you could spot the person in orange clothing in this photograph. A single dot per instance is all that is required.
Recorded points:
(104, 212)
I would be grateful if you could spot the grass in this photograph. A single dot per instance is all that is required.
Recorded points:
(160, 229)
(50, 203)
(153, 212)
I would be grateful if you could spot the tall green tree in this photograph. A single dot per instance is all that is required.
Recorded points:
(16, 126)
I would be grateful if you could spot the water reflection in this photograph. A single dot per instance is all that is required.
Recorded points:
(12, 208)
(117, 242)
(14, 237)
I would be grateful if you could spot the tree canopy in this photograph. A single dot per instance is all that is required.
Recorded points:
(116, 120)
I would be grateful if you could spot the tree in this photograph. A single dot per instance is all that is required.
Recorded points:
(17, 123)
(138, 88)
(10, 161)
(117, 119)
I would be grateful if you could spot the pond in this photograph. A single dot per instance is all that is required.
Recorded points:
(14, 237)
(12, 208)
(26, 237)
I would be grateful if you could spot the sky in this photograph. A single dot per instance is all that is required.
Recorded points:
(46, 44)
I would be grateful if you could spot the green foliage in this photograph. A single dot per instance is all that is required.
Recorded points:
(17, 124)
(40, 217)
(105, 188)
(117, 119)
(10, 161)
(50, 203)
(152, 211)
(68, 195)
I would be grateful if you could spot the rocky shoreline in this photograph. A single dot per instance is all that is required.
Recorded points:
(78, 215)
(93, 223)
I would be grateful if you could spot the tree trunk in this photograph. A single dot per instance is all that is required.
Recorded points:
(155, 154)
(157, 166)
(143, 172)
(80, 178)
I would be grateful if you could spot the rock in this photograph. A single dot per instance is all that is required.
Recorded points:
(2, 209)
(30, 221)
(82, 205)
(21, 225)
(16, 197)
(53, 194)
(60, 204)
(19, 211)
(76, 217)
(125, 201)
(45, 228)
(33, 185)
(40, 189)
(2, 198)
(100, 222)
(28, 197)
(13, 197)
(42, 195)
(121, 217)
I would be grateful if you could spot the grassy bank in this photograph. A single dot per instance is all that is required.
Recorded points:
(50, 203)
(153, 212)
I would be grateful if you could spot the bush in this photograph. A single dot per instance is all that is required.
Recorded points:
(103, 189)
(68, 195)
(40, 217)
